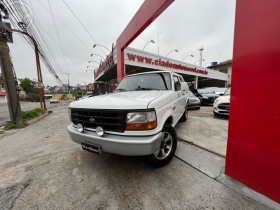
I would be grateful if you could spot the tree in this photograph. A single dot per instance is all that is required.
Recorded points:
(28, 86)
(32, 93)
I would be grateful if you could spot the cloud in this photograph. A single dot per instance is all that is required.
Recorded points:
(185, 25)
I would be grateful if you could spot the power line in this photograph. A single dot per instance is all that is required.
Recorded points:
(64, 26)
(83, 26)
(33, 33)
(65, 53)
(58, 36)
(46, 43)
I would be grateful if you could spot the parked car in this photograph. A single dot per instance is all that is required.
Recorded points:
(54, 100)
(206, 96)
(194, 102)
(138, 119)
(216, 90)
(221, 104)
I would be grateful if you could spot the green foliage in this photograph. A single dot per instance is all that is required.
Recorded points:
(10, 125)
(33, 97)
(28, 86)
(32, 113)
(63, 97)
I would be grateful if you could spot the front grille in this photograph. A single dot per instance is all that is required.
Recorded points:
(224, 106)
(109, 120)
(210, 100)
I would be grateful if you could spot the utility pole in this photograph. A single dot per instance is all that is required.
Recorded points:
(200, 56)
(68, 82)
(39, 73)
(8, 74)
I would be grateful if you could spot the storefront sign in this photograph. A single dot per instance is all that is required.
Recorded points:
(104, 66)
(167, 64)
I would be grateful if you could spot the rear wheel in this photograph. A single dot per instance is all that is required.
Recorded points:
(167, 148)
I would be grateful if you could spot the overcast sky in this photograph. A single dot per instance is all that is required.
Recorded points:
(185, 25)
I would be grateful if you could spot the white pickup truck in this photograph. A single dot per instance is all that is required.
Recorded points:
(138, 119)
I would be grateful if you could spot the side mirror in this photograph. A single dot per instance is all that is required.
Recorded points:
(221, 94)
(184, 86)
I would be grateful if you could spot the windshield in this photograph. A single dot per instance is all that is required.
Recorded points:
(227, 92)
(154, 81)
(191, 94)
(204, 91)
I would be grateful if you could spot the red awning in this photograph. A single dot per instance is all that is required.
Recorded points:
(2, 93)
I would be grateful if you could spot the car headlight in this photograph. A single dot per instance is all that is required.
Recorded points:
(205, 97)
(69, 114)
(141, 120)
(216, 101)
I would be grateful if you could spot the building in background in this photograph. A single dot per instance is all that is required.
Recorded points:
(224, 67)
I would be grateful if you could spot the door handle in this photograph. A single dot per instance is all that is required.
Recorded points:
(174, 107)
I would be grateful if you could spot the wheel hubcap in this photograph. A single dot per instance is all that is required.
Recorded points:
(165, 146)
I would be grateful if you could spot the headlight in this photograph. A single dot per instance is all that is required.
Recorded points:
(205, 97)
(69, 114)
(216, 101)
(141, 120)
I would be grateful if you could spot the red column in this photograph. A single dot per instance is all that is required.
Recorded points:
(253, 152)
(146, 14)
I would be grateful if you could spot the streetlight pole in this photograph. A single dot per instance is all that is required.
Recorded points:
(97, 55)
(187, 56)
(198, 60)
(152, 41)
(39, 73)
(86, 88)
(172, 51)
(200, 49)
(94, 61)
(158, 41)
(101, 46)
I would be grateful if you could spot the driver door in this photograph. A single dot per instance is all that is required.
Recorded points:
(180, 103)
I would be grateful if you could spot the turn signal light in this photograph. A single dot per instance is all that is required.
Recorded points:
(141, 126)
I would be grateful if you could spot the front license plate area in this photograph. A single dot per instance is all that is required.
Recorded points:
(94, 148)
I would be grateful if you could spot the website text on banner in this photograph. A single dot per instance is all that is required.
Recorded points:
(165, 64)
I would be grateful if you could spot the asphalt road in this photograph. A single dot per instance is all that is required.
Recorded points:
(41, 168)
(4, 111)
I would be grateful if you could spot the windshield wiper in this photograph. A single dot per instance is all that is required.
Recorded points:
(142, 88)
(121, 89)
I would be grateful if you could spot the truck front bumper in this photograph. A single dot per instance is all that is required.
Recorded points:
(121, 145)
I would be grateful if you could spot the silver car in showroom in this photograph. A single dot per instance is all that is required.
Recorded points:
(194, 102)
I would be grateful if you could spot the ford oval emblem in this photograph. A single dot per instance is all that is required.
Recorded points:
(91, 119)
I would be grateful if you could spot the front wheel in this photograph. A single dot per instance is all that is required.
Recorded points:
(167, 148)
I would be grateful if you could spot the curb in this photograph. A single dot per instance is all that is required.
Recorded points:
(208, 150)
(31, 121)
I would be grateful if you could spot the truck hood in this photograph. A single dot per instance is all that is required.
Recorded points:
(120, 100)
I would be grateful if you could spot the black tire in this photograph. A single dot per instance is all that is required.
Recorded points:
(184, 117)
(158, 159)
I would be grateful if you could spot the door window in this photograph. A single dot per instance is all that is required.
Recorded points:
(177, 84)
